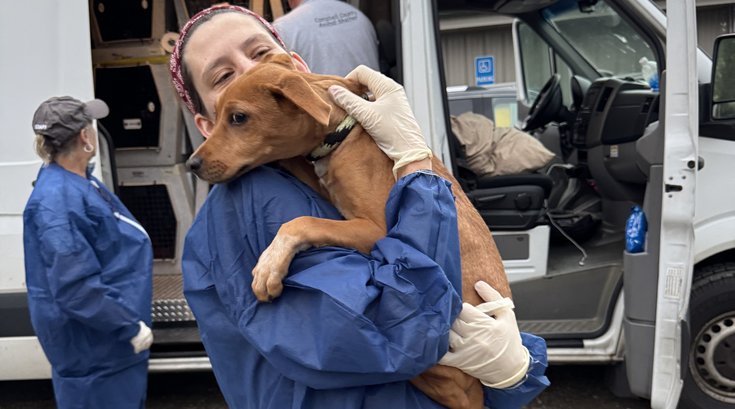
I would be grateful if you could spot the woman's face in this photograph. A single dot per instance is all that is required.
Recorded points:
(223, 48)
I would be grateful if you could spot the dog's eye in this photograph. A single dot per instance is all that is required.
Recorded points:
(238, 118)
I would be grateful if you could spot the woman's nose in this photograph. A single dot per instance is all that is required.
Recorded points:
(244, 64)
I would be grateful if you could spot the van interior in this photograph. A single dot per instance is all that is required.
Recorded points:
(561, 229)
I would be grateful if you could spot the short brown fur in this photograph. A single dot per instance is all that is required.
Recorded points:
(287, 114)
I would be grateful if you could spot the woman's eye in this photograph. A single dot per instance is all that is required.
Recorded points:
(222, 78)
(261, 52)
(238, 118)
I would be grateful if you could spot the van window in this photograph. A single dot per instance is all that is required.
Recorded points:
(601, 36)
(536, 57)
(538, 62)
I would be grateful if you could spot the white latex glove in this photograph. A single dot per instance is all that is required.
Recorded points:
(485, 342)
(143, 340)
(389, 119)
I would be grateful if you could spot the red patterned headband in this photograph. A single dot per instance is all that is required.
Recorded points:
(175, 63)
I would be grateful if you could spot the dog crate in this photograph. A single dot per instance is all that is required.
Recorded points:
(133, 30)
(191, 7)
(270, 10)
(161, 198)
(115, 21)
(145, 119)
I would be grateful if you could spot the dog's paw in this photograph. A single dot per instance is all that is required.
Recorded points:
(272, 268)
(260, 288)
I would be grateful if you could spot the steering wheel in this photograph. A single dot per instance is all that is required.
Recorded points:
(546, 106)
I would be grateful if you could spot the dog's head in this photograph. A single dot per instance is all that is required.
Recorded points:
(270, 113)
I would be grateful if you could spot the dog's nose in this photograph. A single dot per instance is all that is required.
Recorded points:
(194, 163)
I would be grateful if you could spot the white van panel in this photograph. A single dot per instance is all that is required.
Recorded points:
(57, 60)
(52, 57)
(12, 277)
(23, 358)
(713, 217)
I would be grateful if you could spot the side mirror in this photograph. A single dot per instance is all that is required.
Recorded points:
(723, 78)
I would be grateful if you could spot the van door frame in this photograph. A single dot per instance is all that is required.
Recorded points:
(675, 268)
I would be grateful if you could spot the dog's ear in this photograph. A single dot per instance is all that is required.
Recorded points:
(280, 59)
(355, 87)
(295, 88)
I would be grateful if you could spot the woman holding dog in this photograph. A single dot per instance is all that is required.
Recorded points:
(88, 268)
(349, 331)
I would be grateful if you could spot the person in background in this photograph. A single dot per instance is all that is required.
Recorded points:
(349, 330)
(88, 267)
(332, 36)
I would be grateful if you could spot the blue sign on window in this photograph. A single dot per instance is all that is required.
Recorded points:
(484, 70)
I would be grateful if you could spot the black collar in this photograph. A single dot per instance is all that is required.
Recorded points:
(333, 139)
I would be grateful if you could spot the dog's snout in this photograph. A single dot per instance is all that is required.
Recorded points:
(194, 163)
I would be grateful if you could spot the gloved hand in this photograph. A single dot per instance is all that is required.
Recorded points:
(485, 342)
(143, 340)
(389, 119)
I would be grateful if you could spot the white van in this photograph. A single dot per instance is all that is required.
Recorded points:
(662, 318)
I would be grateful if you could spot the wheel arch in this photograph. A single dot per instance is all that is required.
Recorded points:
(721, 257)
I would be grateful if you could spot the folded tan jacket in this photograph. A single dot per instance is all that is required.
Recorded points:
(492, 151)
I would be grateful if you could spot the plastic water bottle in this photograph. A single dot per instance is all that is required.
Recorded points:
(649, 70)
(635, 230)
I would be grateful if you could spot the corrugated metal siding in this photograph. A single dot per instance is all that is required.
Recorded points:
(461, 47)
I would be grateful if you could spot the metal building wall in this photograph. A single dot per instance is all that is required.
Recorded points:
(460, 47)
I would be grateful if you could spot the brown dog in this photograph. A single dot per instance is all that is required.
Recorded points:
(275, 113)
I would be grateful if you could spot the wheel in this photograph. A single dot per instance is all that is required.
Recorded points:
(710, 379)
(546, 105)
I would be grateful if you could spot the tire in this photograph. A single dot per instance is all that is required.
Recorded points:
(710, 378)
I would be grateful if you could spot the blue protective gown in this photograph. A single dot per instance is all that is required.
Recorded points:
(349, 331)
(88, 272)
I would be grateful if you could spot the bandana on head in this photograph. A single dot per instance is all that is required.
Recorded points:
(175, 63)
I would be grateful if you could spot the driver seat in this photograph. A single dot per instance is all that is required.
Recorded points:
(507, 202)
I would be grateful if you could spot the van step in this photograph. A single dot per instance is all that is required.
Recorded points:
(171, 311)
(553, 327)
(180, 341)
(169, 304)
(574, 305)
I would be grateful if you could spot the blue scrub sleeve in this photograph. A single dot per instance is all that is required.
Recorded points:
(360, 321)
(74, 276)
(522, 394)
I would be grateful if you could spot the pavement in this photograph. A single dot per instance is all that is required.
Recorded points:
(573, 386)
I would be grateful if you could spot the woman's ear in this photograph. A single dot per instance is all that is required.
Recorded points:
(204, 125)
(299, 62)
(84, 136)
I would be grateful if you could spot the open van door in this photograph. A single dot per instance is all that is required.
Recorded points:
(675, 268)
(422, 74)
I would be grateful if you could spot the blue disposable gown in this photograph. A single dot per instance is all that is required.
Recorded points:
(88, 272)
(349, 331)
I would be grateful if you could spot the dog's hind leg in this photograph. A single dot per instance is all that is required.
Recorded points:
(302, 233)
(451, 387)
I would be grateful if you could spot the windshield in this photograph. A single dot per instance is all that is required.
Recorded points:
(603, 38)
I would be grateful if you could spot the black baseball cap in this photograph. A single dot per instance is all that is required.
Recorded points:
(62, 117)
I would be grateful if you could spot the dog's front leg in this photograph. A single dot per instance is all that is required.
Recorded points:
(302, 233)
